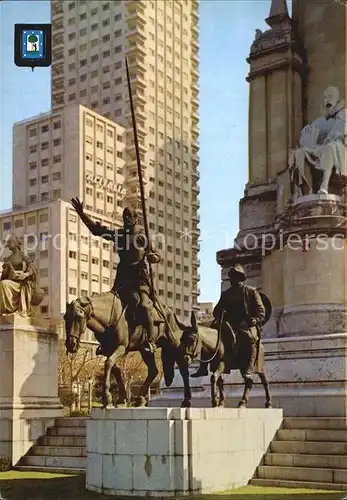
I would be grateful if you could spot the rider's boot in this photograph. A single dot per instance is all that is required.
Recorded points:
(150, 327)
(201, 372)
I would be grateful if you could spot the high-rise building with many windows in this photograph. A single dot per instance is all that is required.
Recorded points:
(160, 40)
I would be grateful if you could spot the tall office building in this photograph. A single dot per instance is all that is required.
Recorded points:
(160, 39)
(69, 152)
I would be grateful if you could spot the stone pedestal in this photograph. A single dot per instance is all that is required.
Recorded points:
(306, 373)
(172, 452)
(29, 400)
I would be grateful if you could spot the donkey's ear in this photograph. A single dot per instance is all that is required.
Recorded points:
(193, 320)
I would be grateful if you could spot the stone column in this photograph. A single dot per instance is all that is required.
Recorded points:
(29, 400)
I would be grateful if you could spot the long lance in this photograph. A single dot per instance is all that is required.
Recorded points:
(139, 171)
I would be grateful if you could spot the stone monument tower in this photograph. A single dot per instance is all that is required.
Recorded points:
(292, 216)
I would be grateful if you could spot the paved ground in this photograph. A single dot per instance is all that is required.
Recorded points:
(40, 486)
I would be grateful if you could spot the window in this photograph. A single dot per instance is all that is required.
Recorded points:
(72, 290)
(56, 176)
(32, 182)
(31, 221)
(72, 217)
(44, 179)
(84, 275)
(32, 198)
(84, 257)
(32, 165)
(99, 144)
(105, 281)
(44, 128)
(57, 159)
(44, 196)
(56, 142)
(117, 81)
(72, 36)
(32, 132)
(118, 49)
(118, 17)
(73, 273)
(95, 278)
(33, 149)
(118, 33)
(19, 223)
(94, 58)
(56, 125)
(106, 264)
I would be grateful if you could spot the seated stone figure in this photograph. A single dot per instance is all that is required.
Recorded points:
(18, 282)
(321, 147)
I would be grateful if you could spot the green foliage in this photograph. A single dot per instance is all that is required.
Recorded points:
(33, 39)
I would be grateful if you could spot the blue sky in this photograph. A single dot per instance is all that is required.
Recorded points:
(226, 33)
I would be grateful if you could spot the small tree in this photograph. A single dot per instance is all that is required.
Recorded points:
(33, 39)
(76, 368)
(134, 371)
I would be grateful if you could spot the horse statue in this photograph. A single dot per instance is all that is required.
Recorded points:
(224, 351)
(118, 335)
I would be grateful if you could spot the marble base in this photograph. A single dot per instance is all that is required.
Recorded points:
(307, 376)
(173, 452)
(29, 400)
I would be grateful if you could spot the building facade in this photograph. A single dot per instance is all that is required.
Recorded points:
(71, 262)
(161, 42)
(66, 153)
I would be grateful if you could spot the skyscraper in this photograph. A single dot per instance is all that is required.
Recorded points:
(161, 42)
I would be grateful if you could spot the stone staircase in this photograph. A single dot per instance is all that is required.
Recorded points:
(306, 453)
(62, 450)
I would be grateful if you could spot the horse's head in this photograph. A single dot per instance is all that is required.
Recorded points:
(75, 325)
(189, 342)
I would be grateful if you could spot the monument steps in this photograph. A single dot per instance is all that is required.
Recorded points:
(306, 453)
(63, 449)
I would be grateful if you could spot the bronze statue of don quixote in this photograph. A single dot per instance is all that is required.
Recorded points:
(130, 317)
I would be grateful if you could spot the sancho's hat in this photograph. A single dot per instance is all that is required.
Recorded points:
(237, 271)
